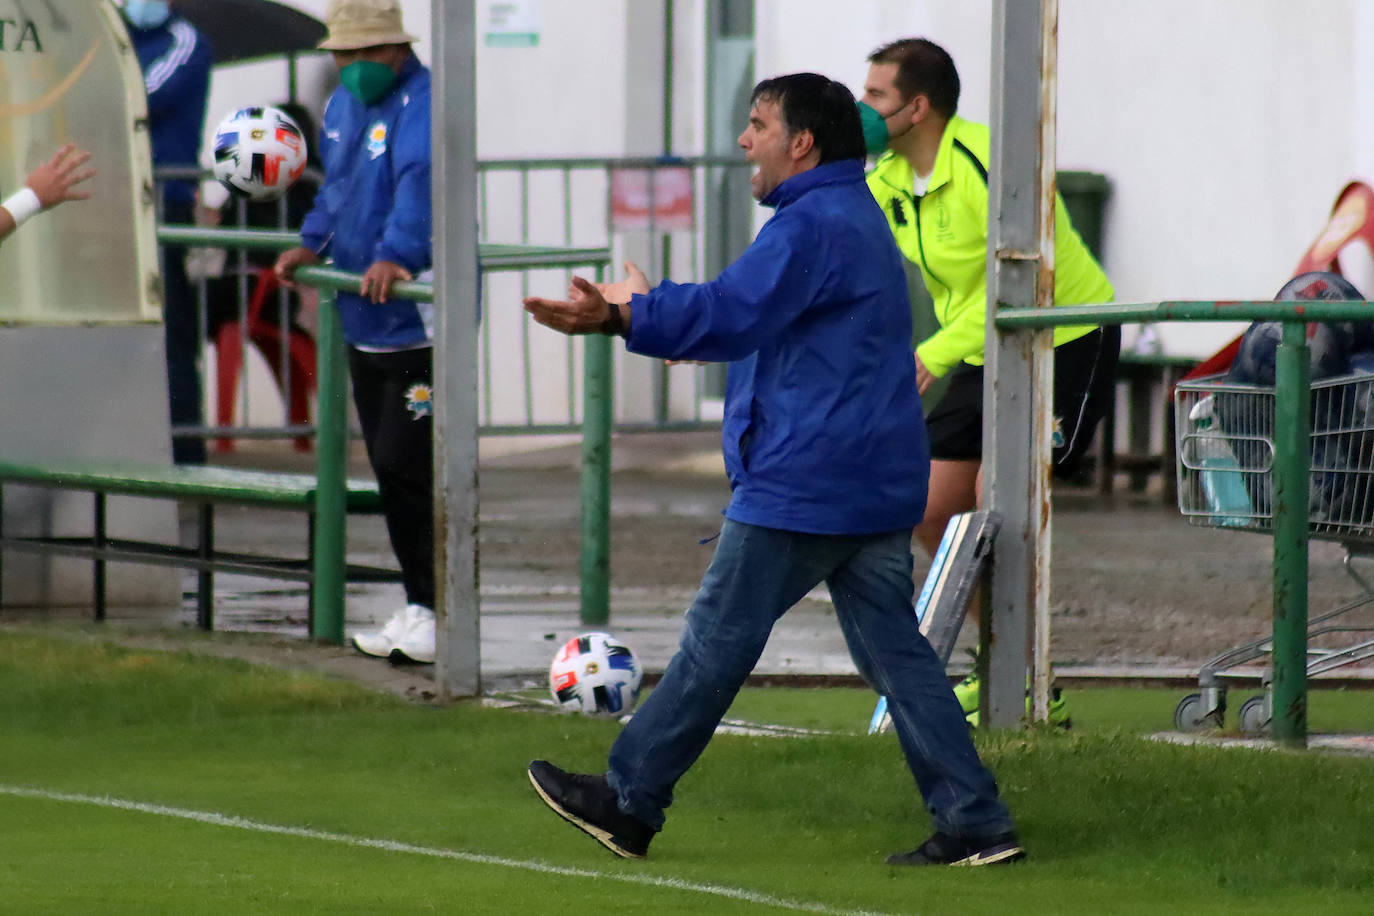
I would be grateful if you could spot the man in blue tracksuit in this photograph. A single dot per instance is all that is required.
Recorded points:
(828, 462)
(372, 216)
(175, 59)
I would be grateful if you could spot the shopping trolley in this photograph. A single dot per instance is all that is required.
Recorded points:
(1225, 440)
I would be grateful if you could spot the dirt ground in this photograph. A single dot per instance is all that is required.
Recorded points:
(1133, 583)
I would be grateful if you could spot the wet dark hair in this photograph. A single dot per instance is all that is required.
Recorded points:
(923, 68)
(809, 101)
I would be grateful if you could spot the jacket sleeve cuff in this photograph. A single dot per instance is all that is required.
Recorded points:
(935, 364)
(317, 242)
(638, 320)
(644, 337)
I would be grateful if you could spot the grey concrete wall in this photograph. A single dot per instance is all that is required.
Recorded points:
(84, 392)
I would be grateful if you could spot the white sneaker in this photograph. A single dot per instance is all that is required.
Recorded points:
(417, 642)
(381, 642)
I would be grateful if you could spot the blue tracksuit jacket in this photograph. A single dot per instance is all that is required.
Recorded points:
(823, 429)
(374, 204)
(175, 59)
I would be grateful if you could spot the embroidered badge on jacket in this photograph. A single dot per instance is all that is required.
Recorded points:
(420, 401)
(376, 140)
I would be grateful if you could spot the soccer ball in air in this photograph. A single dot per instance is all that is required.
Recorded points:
(259, 152)
(595, 674)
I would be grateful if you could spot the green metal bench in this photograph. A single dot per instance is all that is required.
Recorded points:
(1150, 379)
(203, 486)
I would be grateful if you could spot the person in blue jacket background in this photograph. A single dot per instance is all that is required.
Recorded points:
(175, 59)
(826, 450)
(372, 216)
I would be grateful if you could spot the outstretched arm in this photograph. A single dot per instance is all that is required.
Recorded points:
(585, 311)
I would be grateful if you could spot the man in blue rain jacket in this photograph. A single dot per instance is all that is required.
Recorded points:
(826, 450)
(372, 217)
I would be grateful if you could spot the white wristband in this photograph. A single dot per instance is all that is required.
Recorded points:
(22, 204)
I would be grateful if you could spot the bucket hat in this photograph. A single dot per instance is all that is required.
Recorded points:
(355, 24)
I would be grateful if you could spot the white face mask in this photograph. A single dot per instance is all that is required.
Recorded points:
(147, 14)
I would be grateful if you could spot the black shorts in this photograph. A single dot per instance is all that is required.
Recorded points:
(1084, 386)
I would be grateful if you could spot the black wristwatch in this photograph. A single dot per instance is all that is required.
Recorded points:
(614, 325)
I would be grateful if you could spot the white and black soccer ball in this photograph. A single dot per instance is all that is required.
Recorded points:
(596, 674)
(259, 152)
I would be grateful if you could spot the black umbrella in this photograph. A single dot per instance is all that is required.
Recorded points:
(241, 30)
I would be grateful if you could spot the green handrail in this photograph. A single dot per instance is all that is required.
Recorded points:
(1291, 468)
(331, 437)
(491, 257)
(1183, 310)
(251, 239)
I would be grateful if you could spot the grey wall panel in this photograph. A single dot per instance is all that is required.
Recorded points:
(98, 393)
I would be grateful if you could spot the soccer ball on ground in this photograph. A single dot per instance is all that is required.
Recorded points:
(595, 674)
(259, 152)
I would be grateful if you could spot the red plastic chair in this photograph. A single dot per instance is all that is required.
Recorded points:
(266, 335)
(1352, 219)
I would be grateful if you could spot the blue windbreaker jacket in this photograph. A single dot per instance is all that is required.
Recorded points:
(374, 204)
(823, 430)
(175, 59)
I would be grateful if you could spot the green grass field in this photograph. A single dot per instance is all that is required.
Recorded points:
(143, 782)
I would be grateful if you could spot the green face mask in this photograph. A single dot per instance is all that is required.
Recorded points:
(368, 80)
(875, 129)
(876, 134)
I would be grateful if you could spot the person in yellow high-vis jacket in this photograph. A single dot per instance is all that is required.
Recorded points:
(931, 182)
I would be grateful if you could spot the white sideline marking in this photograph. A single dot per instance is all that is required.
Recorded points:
(726, 727)
(240, 823)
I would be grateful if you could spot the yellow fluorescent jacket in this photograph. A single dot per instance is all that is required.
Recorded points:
(945, 233)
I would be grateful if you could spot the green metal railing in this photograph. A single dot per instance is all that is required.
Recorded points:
(539, 204)
(1291, 468)
(331, 435)
(557, 200)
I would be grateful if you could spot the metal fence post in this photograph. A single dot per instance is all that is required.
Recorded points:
(1292, 465)
(596, 479)
(331, 450)
(1016, 390)
(457, 288)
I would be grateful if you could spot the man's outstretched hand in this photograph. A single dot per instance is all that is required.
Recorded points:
(585, 311)
(621, 291)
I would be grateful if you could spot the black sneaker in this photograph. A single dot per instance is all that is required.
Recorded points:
(943, 849)
(590, 803)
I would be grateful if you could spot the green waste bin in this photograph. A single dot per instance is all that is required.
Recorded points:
(1085, 196)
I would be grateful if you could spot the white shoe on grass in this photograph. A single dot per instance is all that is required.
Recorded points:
(416, 644)
(381, 642)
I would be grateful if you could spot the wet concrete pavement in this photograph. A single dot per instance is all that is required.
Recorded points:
(1137, 591)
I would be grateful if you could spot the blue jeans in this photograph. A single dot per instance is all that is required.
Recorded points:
(756, 575)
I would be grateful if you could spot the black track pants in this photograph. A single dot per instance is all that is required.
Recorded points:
(394, 394)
